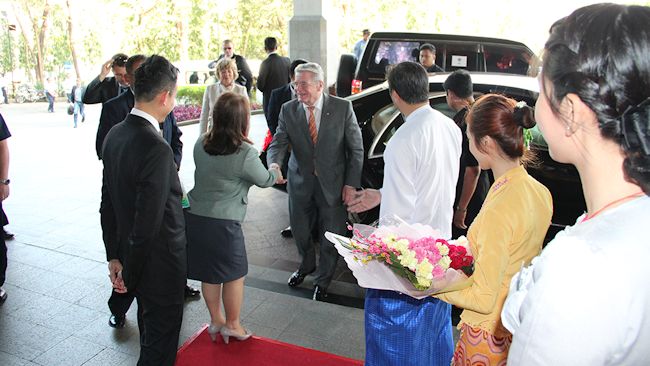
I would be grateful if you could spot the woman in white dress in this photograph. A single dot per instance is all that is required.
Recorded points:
(226, 70)
(586, 300)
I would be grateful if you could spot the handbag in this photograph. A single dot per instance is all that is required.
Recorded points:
(70, 109)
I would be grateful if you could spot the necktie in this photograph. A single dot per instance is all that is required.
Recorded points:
(313, 132)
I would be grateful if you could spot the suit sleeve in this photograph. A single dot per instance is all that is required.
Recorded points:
(176, 143)
(273, 110)
(109, 223)
(246, 72)
(255, 173)
(354, 147)
(105, 124)
(280, 143)
(263, 75)
(93, 93)
(152, 187)
(205, 111)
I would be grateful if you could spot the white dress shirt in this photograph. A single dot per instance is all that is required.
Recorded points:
(151, 119)
(421, 168)
(586, 299)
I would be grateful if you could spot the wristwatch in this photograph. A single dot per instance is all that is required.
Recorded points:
(5, 181)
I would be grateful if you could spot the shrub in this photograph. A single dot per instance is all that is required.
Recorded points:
(190, 94)
(187, 112)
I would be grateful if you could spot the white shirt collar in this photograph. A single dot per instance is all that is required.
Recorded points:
(147, 116)
(416, 112)
(318, 105)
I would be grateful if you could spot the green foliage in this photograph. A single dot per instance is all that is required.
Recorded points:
(6, 44)
(191, 94)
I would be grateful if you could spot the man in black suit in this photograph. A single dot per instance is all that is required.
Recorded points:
(245, 77)
(427, 58)
(274, 71)
(114, 112)
(141, 213)
(103, 88)
(281, 95)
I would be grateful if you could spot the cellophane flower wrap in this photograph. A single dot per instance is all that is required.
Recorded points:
(410, 258)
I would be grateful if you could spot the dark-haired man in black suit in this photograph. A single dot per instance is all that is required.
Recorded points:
(274, 71)
(104, 88)
(141, 214)
(279, 96)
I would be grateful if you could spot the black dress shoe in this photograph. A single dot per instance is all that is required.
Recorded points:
(286, 233)
(320, 294)
(7, 235)
(3, 295)
(297, 277)
(117, 321)
(191, 291)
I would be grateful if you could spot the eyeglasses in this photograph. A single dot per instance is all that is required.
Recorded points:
(301, 84)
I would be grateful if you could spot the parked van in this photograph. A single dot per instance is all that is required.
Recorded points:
(453, 52)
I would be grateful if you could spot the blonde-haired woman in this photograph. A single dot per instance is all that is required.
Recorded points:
(226, 72)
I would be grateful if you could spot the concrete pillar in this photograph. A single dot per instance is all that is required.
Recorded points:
(313, 36)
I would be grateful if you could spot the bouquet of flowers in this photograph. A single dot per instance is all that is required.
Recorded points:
(424, 262)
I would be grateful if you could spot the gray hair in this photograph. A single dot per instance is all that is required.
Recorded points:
(312, 67)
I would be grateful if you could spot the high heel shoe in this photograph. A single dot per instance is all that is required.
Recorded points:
(213, 330)
(227, 333)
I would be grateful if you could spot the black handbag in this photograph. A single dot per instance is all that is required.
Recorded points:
(70, 109)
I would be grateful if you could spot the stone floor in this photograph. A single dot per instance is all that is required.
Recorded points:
(57, 283)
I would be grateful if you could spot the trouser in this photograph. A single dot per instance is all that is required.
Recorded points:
(78, 109)
(119, 303)
(3, 248)
(303, 214)
(50, 99)
(159, 327)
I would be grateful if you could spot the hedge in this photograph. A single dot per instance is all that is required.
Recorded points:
(190, 94)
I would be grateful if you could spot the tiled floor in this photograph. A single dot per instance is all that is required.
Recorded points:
(56, 312)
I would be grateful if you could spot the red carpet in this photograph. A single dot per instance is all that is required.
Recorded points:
(200, 350)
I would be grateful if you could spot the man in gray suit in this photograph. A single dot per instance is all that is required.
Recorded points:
(324, 169)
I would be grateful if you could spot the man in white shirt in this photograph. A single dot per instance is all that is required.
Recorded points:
(420, 173)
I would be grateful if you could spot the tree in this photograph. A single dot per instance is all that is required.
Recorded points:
(71, 39)
(34, 31)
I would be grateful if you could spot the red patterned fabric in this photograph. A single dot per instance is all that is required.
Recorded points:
(267, 140)
(477, 347)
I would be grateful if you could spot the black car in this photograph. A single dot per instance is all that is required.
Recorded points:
(472, 53)
(379, 119)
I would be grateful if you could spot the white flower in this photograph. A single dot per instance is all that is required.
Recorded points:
(521, 104)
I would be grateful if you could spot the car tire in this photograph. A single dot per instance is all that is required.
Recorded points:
(347, 66)
(20, 99)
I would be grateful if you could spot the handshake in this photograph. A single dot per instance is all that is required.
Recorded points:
(278, 173)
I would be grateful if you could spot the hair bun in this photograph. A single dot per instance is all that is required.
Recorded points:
(524, 115)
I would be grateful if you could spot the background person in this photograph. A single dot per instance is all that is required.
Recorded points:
(76, 95)
(427, 58)
(509, 229)
(50, 93)
(141, 213)
(102, 88)
(585, 300)
(244, 76)
(274, 71)
(324, 170)
(360, 46)
(473, 182)
(226, 71)
(227, 165)
(401, 330)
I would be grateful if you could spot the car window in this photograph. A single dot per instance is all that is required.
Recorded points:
(462, 56)
(392, 52)
(505, 60)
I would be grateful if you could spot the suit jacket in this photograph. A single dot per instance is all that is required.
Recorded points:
(278, 97)
(115, 111)
(274, 73)
(245, 77)
(141, 214)
(337, 157)
(101, 92)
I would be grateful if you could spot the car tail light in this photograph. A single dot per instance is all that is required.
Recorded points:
(356, 86)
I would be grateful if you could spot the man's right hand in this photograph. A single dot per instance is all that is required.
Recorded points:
(114, 268)
(106, 68)
(276, 168)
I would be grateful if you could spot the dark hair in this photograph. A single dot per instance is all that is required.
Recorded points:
(366, 31)
(428, 46)
(410, 81)
(270, 43)
(502, 119)
(600, 53)
(119, 59)
(230, 121)
(154, 76)
(132, 61)
(295, 63)
(459, 82)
